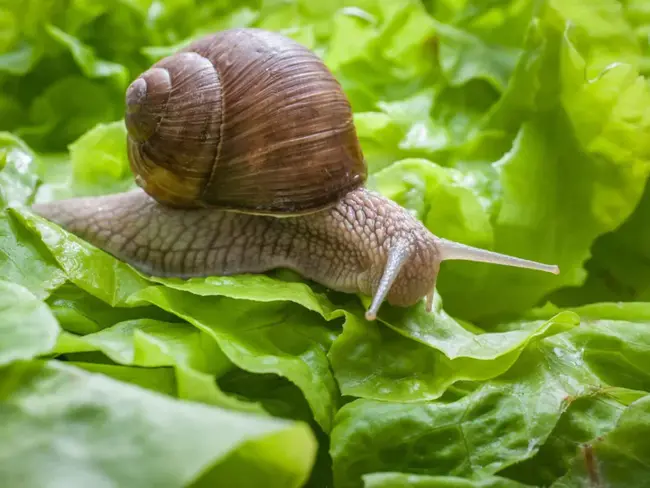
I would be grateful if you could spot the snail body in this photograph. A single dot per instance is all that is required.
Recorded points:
(344, 247)
(208, 128)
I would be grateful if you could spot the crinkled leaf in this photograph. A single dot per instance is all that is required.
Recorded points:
(404, 480)
(429, 123)
(57, 116)
(262, 337)
(99, 161)
(617, 351)
(131, 436)
(476, 47)
(497, 424)
(27, 327)
(91, 269)
(586, 419)
(25, 260)
(619, 266)
(464, 57)
(602, 160)
(401, 129)
(283, 399)
(258, 288)
(620, 457)
(18, 178)
(601, 31)
(49, 48)
(151, 343)
(637, 13)
(194, 355)
(161, 380)
(614, 339)
(86, 59)
(420, 354)
(440, 331)
(612, 343)
(79, 312)
(390, 58)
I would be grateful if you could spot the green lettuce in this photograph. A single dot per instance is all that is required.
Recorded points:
(93, 427)
(618, 267)
(403, 480)
(25, 262)
(195, 357)
(28, 328)
(520, 126)
(637, 13)
(412, 358)
(18, 179)
(571, 173)
(494, 425)
(619, 457)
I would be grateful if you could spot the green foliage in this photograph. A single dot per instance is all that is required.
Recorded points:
(521, 126)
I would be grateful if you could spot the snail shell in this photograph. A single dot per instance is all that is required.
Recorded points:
(244, 119)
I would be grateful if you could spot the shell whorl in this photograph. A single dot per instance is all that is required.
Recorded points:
(244, 119)
(173, 118)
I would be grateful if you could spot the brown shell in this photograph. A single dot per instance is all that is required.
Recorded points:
(245, 119)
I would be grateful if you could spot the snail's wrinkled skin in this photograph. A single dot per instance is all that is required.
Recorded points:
(345, 247)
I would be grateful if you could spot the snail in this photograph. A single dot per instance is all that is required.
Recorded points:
(246, 159)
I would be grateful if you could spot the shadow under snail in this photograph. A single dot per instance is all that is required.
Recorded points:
(246, 155)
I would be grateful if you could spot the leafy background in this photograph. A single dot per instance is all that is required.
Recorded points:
(521, 126)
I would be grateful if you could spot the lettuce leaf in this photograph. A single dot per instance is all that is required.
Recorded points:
(28, 328)
(195, 357)
(263, 338)
(81, 313)
(18, 180)
(637, 14)
(417, 358)
(611, 341)
(129, 436)
(602, 160)
(621, 457)
(562, 391)
(498, 424)
(403, 480)
(586, 418)
(618, 268)
(515, 125)
(160, 380)
(24, 261)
